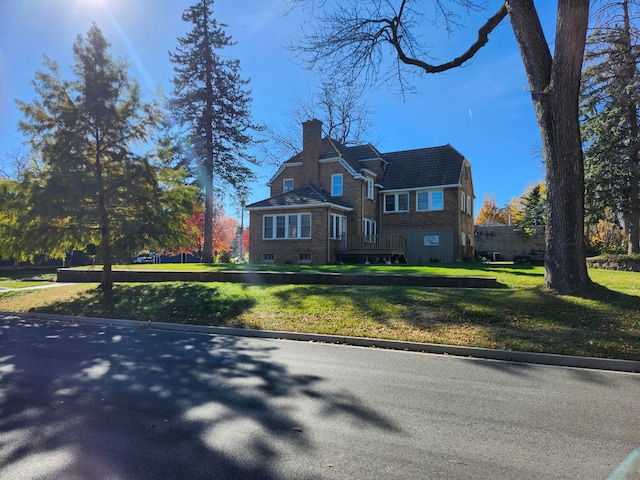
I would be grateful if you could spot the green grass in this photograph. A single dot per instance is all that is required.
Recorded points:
(512, 276)
(603, 322)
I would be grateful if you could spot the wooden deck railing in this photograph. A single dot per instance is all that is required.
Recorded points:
(381, 243)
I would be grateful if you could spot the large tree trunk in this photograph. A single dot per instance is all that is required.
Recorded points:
(555, 87)
(207, 254)
(632, 230)
(105, 247)
(105, 229)
(207, 249)
(633, 216)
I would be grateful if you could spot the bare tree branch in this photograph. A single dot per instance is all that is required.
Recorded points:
(350, 41)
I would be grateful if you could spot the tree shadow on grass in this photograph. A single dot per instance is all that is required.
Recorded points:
(527, 319)
(82, 401)
(188, 303)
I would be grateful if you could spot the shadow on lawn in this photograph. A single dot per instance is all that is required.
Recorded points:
(190, 303)
(526, 320)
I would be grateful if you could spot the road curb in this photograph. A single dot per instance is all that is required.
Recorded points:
(629, 366)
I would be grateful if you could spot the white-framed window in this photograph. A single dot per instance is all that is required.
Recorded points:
(432, 240)
(305, 225)
(287, 185)
(292, 226)
(429, 200)
(338, 226)
(369, 228)
(304, 257)
(396, 202)
(370, 190)
(268, 258)
(464, 239)
(336, 185)
(463, 202)
(470, 205)
(285, 227)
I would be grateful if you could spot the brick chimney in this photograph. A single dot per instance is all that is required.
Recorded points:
(311, 147)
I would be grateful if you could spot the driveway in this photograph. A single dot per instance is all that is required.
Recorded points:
(81, 401)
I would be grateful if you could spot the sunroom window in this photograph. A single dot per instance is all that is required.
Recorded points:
(286, 227)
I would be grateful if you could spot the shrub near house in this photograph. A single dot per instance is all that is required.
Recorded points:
(332, 203)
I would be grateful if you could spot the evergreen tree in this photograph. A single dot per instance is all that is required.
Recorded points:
(12, 208)
(93, 184)
(610, 104)
(534, 207)
(211, 100)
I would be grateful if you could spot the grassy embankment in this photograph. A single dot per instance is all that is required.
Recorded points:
(604, 322)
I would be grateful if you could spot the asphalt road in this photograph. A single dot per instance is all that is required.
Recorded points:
(101, 402)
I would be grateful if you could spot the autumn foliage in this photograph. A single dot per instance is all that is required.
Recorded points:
(224, 233)
(491, 211)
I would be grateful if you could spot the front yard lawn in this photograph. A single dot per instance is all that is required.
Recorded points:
(604, 322)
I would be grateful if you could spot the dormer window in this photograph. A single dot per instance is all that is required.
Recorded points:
(287, 185)
(336, 185)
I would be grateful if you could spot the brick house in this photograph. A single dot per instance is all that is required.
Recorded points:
(331, 203)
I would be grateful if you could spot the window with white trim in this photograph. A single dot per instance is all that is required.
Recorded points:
(370, 190)
(470, 205)
(287, 185)
(338, 226)
(429, 200)
(336, 185)
(463, 202)
(286, 227)
(369, 229)
(396, 202)
(268, 258)
(464, 239)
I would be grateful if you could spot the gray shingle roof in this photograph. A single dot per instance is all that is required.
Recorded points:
(309, 195)
(364, 152)
(423, 167)
(352, 155)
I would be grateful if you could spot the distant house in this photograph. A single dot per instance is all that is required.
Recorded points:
(331, 203)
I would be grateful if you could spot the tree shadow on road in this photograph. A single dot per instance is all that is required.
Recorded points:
(107, 402)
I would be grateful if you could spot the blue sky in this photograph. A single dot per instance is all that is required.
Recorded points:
(484, 110)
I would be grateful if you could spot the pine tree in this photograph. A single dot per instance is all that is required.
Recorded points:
(92, 184)
(211, 100)
(610, 107)
(534, 207)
